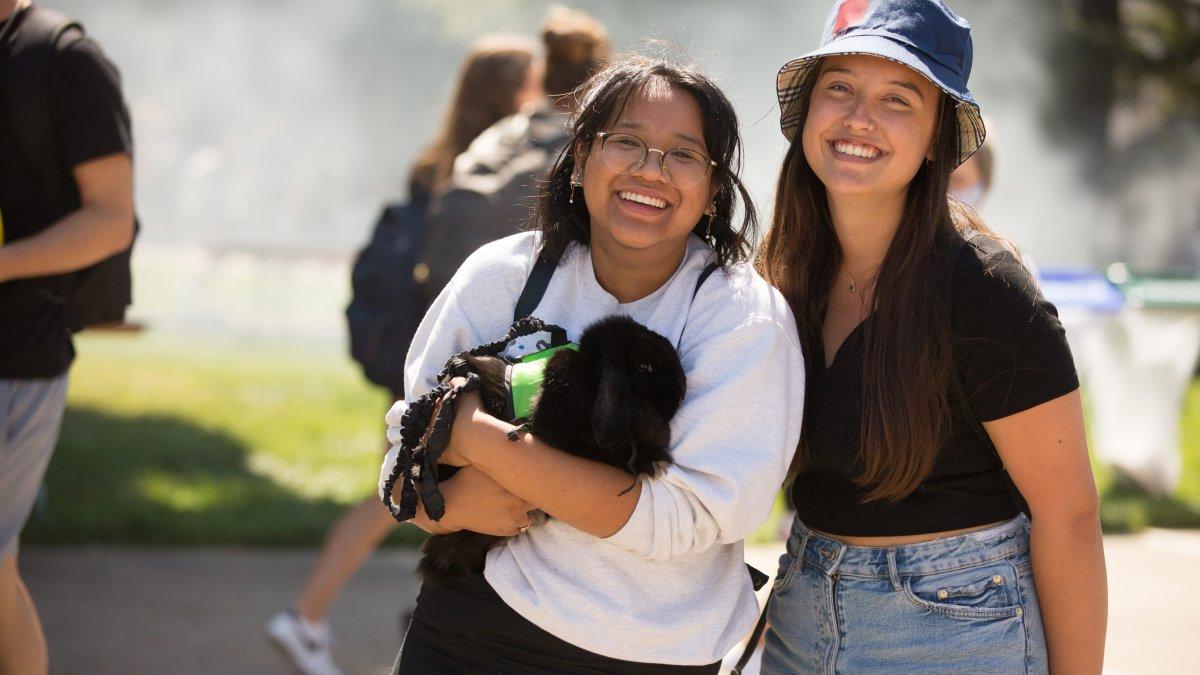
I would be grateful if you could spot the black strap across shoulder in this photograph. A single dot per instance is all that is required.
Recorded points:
(535, 288)
(704, 275)
(539, 281)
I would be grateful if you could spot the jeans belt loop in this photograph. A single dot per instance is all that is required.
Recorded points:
(803, 548)
(836, 562)
(893, 572)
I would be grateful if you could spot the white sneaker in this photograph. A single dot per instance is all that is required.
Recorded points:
(307, 645)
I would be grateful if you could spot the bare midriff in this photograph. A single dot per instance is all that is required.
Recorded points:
(901, 540)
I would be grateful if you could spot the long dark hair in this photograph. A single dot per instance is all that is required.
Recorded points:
(906, 365)
(492, 74)
(602, 99)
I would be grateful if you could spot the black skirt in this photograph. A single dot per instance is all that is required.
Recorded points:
(464, 627)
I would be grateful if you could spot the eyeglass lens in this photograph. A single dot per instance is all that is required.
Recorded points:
(625, 153)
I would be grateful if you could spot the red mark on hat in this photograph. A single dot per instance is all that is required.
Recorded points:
(850, 14)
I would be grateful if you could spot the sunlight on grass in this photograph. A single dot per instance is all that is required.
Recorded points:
(1189, 487)
(171, 441)
(174, 441)
(180, 495)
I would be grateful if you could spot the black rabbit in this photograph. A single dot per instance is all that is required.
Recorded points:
(611, 401)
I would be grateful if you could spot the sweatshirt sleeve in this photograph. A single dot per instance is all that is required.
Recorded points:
(732, 442)
(466, 311)
(445, 331)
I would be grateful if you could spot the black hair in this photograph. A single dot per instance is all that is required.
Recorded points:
(602, 99)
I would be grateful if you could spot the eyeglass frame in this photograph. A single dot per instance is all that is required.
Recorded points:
(662, 157)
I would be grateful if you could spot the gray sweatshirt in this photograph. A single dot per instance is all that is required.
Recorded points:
(670, 586)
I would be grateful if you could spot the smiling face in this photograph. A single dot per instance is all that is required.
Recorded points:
(870, 125)
(642, 211)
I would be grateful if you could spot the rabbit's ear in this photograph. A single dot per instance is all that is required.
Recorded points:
(612, 410)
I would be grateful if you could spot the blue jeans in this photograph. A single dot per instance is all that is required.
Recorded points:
(963, 604)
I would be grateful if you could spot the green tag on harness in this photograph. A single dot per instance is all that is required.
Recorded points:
(525, 378)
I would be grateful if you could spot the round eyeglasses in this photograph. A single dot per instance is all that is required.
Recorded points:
(625, 153)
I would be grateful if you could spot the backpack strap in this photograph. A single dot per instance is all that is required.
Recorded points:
(535, 288)
(543, 270)
(30, 53)
(704, 275)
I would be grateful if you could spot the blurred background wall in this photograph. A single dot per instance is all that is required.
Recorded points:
(269, 132)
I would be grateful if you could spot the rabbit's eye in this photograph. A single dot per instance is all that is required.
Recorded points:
(644, 368)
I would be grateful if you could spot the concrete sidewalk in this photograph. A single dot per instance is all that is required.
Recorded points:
(182, 611)
(126, 611)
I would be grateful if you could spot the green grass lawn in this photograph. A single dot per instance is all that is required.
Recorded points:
(170, 441)
(188, 442)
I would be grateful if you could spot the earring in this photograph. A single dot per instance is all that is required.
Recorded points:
(712, 214)
(575, 182)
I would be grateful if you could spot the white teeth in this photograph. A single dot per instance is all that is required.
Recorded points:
(643, 199)
(856, 150)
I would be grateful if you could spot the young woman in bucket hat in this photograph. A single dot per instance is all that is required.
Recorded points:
(942, 402)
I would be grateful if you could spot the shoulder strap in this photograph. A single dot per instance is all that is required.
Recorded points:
(539, 281)
(30, 54)
(704, 275)
(535, 288)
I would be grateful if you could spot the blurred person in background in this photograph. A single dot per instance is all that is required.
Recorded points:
(492, 190)
(972, 180)
(66, 203)
(499, 76)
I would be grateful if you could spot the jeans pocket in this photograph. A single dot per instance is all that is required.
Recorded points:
(787, 562)
(982, 592)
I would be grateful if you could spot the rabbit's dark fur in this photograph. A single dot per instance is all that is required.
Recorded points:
(612, 401)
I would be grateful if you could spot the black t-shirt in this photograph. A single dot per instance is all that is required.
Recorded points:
(90, 121)
(1011, 353)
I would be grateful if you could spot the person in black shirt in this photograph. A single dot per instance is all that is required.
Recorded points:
(942, 399)
(44, 237)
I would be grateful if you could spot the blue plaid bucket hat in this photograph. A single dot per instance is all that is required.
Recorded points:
(924, 35)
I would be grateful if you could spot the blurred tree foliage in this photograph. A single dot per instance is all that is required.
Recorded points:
(1127, 74)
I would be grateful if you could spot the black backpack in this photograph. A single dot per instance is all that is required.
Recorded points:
(98, 294)
(389, 298)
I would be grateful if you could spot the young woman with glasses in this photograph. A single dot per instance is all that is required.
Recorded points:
(652, 579)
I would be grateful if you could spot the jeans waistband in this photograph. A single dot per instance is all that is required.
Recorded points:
(941, 555)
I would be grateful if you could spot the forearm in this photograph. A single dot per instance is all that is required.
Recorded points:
(1072, 588)
(426, 523)
(584, 494)
(82, 238)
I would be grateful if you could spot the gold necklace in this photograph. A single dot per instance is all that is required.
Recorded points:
(853, 287)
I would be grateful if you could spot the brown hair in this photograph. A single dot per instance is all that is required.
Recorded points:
(494, 71)
(576, 48)
(906, 365)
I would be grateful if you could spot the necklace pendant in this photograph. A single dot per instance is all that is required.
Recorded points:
(853, 286)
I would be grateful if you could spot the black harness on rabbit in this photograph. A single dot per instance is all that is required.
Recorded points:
(425, 426)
